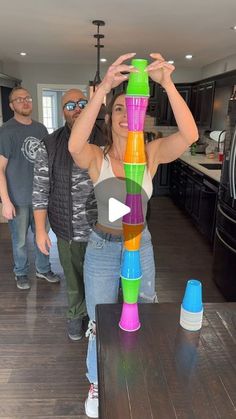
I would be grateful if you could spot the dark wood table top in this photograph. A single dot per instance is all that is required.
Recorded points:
(164, 372)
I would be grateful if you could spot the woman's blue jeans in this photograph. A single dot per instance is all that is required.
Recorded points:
(19, 228)
(102, 280)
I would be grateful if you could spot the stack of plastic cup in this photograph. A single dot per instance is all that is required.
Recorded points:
(134, 165)
(191, 312)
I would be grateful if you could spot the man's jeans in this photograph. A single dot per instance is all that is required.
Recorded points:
(19, 228)
(71, 256)
(102, 281)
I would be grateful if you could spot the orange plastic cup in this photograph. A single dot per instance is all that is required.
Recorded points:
(135, 148)
(132, 236)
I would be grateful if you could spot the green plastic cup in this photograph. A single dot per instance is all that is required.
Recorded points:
(130, 288)
(138, 82)
(134, 177)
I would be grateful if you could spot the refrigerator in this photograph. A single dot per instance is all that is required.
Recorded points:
(224, 257)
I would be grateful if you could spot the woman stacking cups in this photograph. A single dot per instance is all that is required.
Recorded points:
(135, 164)
(123, 248)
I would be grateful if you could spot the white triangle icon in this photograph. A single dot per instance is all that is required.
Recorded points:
(116, 209)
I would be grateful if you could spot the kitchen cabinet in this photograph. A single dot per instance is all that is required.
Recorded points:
(159, 105)
(178, 183)
(196, 194)
(6, 85)
(6, 110)
(161, 180)
(201, 104)
(198, 97)
(209, 196)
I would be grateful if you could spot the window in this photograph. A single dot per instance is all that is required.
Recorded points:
(49, 104)
(50, 111)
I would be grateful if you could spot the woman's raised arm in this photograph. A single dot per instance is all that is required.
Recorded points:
(82, 152)
(167, 149)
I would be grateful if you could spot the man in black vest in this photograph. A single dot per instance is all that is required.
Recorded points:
(63, 192)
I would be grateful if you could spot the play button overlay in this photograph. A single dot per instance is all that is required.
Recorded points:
(116, 209)
(113, 204)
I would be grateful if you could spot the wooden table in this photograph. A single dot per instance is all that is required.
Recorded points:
(163, 371)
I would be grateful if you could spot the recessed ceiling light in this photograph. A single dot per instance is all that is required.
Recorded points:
(188, 56)
(23, 53)
(170, 61)
(233, 28)
(103, 60)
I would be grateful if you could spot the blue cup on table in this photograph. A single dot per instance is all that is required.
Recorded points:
(192, 300)
(131, 265)
(191, 312)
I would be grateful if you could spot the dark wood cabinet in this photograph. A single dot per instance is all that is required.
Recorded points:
(6, 110)
(159, 105)
(6, 85)
(178, 183)
(196, 194)
(201, 104)
(185, 92)
(161, 180)
(209, 196)
(163, 111)
(198, 96)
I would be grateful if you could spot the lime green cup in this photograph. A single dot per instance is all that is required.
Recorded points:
(134, 177)
(138, 82)
(130, 288)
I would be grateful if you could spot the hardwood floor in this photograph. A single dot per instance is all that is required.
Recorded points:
(42, 373)
(181, 253)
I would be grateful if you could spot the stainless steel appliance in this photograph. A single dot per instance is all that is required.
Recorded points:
(224, 263)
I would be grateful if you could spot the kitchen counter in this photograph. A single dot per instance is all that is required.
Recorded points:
(195, 161)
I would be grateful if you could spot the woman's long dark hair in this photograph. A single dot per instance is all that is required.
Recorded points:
(108, 124)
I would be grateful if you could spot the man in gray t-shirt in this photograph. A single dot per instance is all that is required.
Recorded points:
(19, 141)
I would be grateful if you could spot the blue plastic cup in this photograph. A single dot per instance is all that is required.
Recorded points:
(192, 300)
(131, 265)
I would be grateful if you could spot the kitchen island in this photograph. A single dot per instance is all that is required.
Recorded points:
(197, 160)
(194, 188)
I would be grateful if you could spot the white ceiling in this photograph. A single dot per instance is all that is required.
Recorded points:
(61, 31)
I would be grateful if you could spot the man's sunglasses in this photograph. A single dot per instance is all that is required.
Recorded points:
(70, 106)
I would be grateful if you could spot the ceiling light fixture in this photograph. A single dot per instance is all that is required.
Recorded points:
(188, 56)
(170, 61)
(98, 36)
(103, 60)
(23, 53)
(233, 28)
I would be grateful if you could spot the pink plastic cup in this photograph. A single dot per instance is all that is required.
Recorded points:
(129, 320)
(136, 111)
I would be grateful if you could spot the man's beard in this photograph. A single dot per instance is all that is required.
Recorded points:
(25, 112)
(70, 121)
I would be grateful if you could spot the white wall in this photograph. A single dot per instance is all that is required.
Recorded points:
(31, 74)
(219, 67)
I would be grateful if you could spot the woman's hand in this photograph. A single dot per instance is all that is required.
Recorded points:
(113, 77)
(159, 70)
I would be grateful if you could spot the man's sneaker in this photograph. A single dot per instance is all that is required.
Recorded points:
(22, 282)
(49, 276)
(75, 329)
(91, 403)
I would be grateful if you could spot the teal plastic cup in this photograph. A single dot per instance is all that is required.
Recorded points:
(191, 311)
(192, 300)
(138, 82)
